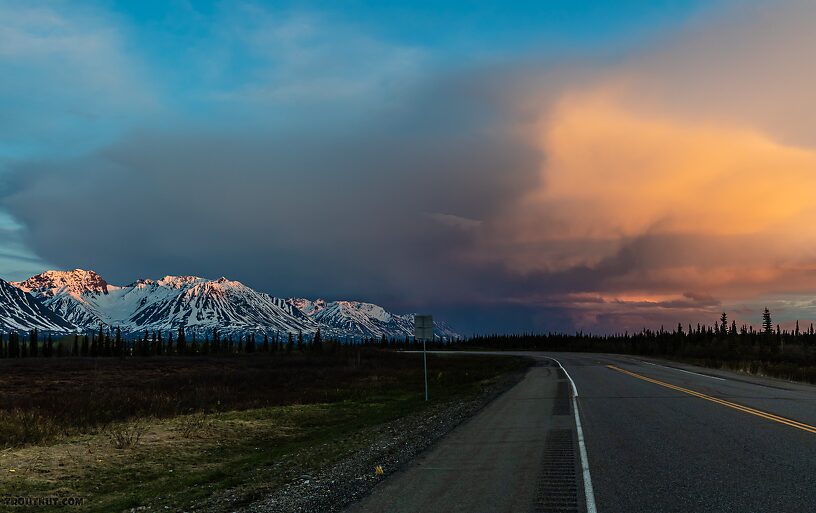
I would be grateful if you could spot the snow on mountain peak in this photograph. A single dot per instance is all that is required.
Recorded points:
(177, 282)
(307, 306)
(83, 299)
(369, 310)
(75, 282)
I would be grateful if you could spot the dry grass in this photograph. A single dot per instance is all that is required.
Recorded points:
(233, 449)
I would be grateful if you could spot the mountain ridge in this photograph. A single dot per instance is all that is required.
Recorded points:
(83, 299)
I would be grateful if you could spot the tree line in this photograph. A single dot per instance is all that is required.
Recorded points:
(110, 342)
(769, 350)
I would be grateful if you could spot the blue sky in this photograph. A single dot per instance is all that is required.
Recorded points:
(80, 74)
(390, 151)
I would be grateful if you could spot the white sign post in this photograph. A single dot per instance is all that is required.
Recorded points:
(423, 330)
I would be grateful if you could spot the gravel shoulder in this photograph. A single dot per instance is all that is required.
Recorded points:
(392, 446)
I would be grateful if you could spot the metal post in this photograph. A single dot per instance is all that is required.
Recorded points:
(423, 330)
(425, 364)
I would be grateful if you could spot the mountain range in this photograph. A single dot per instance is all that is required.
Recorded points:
(80, 300)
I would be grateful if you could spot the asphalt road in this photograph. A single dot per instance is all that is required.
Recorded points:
(659, 438)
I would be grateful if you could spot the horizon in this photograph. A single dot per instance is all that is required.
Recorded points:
(463, 331)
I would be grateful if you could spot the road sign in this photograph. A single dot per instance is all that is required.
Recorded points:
(423, 327)
(423, 330)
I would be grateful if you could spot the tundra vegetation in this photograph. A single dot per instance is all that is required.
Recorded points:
(185, 430)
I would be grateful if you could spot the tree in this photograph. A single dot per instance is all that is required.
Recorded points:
(120, 351)
(767, 323)
(33, 342)
(317, 342)
(724, 323)
(289, 344)
(182, 341)
(49, 347)
(300, 342)
(215, 343)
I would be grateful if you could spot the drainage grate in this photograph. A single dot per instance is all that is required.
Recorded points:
(557, 489)
(561, 403)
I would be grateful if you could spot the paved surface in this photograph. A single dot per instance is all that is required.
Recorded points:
(660, 438)
(489, 464)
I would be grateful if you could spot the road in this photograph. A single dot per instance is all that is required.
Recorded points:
(659, 437)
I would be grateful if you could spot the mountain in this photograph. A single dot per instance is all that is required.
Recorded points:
(359, 319)
(20, 310)
(83, 299)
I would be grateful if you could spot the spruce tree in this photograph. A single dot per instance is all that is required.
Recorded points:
(767, 324)
(181, 344)
(317, 342)
(120, 350)
(33, 343)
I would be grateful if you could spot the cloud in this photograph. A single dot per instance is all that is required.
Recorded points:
(656, 188)
(69, 80)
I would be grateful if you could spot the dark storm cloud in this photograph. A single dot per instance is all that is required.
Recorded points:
(606, 196)
(378, 209)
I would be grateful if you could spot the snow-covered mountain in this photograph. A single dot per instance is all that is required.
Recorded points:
(81, 297)
(359, 319)
(19, 310)
(84, 299)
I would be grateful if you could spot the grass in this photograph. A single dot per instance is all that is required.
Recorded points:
(232, 450)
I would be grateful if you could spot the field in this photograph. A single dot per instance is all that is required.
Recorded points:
(190, 432)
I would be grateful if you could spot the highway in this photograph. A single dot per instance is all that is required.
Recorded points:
(659, 437)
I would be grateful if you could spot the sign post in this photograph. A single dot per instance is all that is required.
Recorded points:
(423, 330)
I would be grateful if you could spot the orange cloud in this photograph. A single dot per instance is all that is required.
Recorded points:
(615, 172)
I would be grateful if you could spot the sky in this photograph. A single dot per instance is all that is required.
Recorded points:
(538, 166)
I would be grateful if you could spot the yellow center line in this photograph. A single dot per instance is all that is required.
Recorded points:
(740, 407)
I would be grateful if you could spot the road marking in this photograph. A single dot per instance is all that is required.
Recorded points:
(574, 388)
(681, 370)
(747, 409)
(589, 494)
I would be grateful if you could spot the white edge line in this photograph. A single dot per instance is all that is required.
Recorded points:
(681, 370)
(574, 388)
(589, 493)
